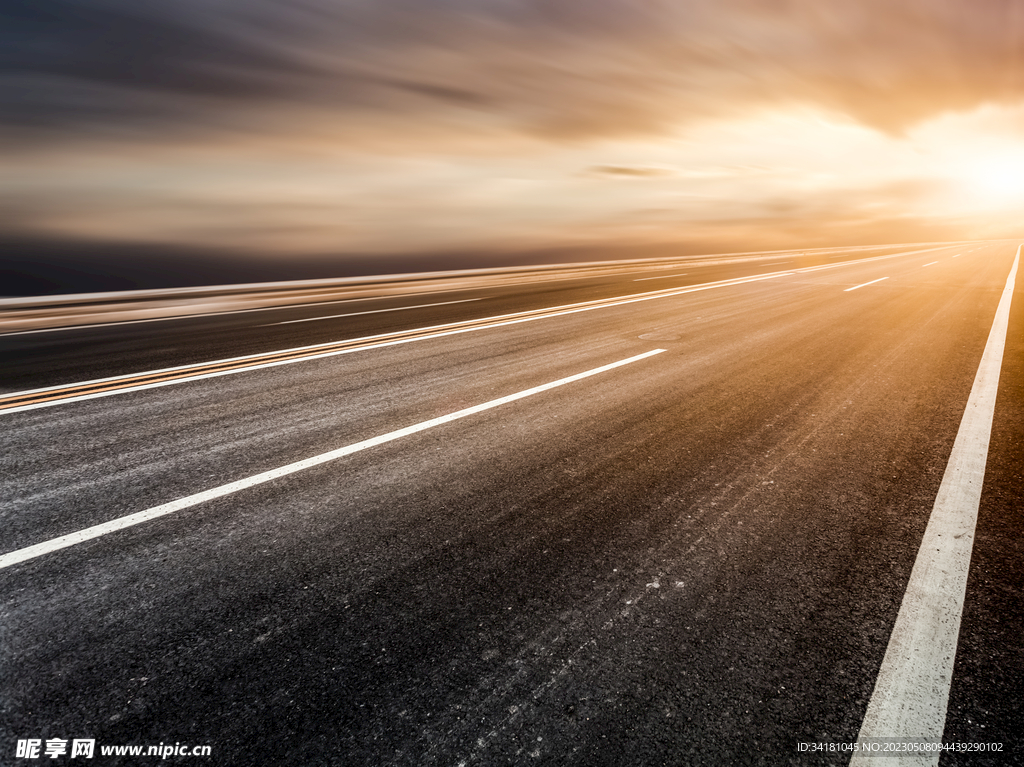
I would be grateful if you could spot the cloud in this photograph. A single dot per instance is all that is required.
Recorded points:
(560, 70)
(629, 171)
(315, 126)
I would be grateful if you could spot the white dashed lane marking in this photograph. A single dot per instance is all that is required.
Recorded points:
(62, 542)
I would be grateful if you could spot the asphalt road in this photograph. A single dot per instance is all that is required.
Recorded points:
(696, 557)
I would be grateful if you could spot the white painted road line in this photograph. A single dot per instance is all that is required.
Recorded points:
(865, 283)
(660, 277)
(929, 264)
(912, 690)
(365, 343)
(338, 301)
(958, 255)
(55, 544)
(276, 308)
(279, 307)
(371, 311)
(866, 260)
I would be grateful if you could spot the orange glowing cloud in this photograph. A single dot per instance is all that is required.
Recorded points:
(339, 126)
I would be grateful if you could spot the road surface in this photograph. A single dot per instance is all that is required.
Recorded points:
(655, 517)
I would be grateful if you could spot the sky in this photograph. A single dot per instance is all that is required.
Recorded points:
(304, 129)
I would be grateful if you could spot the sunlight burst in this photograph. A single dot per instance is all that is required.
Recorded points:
(998, 179)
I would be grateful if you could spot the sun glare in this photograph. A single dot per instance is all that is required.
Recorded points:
(999, 179)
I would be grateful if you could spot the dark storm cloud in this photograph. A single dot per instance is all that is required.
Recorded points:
(126, 47)
(557, 68)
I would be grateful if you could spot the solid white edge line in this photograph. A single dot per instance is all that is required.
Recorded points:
(516, 318)
(912, 690)
(372, 311)
(4, 334)
(557, 311)
(866, 260)
(55, 544)
(596, 304)
(866, 283)
(277, 307)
